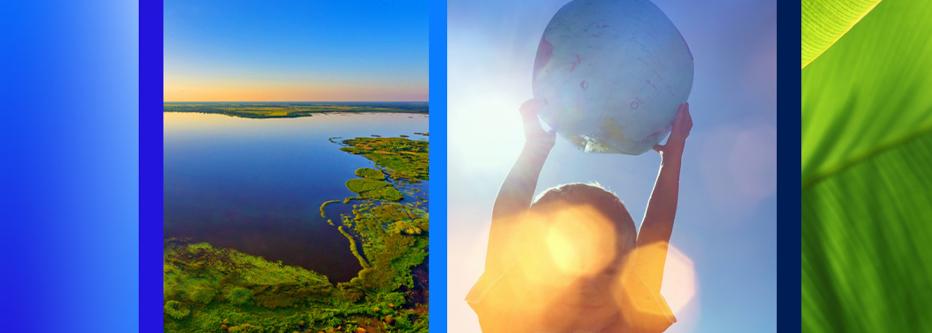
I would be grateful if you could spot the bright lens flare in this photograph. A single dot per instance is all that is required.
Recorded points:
(580, 241)
(679, 277)
(558, 271)
(679, 280)
(559, 256)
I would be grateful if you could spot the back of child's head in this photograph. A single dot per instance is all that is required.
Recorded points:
(595, 196)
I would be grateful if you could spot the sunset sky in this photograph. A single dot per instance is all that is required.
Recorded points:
(349, 50)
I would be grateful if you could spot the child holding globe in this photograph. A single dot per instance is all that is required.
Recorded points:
(571, 260)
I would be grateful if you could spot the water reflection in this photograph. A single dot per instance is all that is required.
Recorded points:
(255, 184)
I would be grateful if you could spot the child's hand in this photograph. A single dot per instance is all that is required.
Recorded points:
(682, 124)
(533, 132)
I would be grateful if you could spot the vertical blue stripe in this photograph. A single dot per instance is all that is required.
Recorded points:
(150, 166)
(438, 166)
(789, 177)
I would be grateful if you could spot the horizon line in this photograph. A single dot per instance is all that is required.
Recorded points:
(372, 101)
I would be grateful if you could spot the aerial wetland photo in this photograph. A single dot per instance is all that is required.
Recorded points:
(296, 217)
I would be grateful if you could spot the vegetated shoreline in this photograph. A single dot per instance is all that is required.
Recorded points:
(209, 288)
(262, 110)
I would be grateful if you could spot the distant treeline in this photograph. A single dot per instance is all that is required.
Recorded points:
(292, 109)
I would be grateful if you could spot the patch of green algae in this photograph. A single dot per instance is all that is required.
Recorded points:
(210, 289)
(370, 173)
(402, 158)
(374, 189)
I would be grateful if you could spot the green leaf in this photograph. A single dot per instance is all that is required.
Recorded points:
(867, 245)
(825, 21)
(869, 92)
(867, 175)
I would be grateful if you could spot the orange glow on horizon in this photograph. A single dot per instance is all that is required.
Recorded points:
(283, 91)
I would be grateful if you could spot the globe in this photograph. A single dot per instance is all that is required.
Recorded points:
(613, 73)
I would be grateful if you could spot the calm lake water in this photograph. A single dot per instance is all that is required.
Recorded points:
(256, 185)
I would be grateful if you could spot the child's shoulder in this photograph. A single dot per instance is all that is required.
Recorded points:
(644, 309)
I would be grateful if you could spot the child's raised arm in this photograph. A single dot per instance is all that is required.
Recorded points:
(514, 198)
(654, 236)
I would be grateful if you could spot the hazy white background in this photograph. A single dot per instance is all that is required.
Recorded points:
(726, 222)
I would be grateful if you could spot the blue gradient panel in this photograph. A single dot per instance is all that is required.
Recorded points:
(68, 212)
